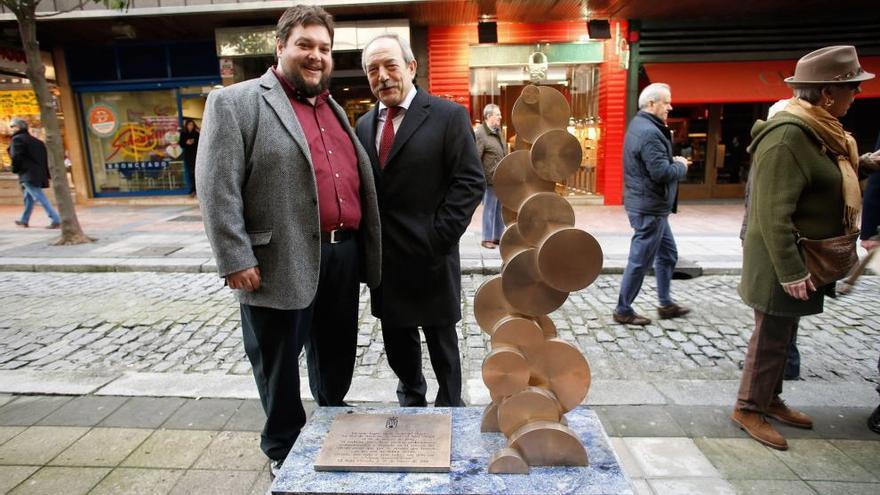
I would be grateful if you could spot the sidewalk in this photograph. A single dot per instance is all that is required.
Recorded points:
(172, 239)
(116, 382)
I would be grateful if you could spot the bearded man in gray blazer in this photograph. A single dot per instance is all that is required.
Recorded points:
(290, 209)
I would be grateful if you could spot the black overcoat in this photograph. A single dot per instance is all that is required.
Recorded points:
(29, 159)
(428, 191)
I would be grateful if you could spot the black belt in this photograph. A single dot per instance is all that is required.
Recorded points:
(337, 236)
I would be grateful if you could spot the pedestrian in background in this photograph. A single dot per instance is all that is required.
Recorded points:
(650, 194)
(804, 182)
(290, 209)
(189, 141)
(31, 162)
(430, 181)
(491, 148)
(792, 369)
(870, 231)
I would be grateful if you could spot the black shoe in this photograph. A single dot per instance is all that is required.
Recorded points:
(21, 224)
(874, 421)
(54, 225)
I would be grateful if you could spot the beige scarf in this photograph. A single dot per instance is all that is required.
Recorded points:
(843, 146)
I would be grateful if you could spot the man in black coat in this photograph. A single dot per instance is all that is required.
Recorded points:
(31, 162)
(871, 228)
(429, 180)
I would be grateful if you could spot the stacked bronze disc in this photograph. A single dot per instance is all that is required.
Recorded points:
(533, 377)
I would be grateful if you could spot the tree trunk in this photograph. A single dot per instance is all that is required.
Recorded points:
(71, 232)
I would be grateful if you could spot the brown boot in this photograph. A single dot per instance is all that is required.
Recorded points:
(782, 413)
(758, 428)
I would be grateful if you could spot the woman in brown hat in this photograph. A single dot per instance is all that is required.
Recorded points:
(805, 183)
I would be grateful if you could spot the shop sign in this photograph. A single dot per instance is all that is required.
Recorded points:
(103, 119)
(18, 103)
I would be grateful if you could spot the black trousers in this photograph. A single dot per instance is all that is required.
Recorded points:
(274, 339)
(404, 351)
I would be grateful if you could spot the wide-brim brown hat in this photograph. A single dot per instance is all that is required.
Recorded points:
(829, 65)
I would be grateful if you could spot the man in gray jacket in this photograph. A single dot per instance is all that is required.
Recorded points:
(650, 194)
(290, 209)
(491, 148)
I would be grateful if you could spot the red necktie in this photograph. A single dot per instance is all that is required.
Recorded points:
(387, 139)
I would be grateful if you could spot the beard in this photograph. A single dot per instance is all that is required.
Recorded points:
(306, 89)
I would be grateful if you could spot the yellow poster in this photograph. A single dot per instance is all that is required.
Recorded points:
(18, 103)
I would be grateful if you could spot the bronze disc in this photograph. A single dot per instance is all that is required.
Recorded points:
(520, 332)
(556, 155)
(547, 326)
(505, 371)
(561, 368)
(521, 145)
(490, 305)
(546, 443)
(490, 419)
(526, 406)
(569, 259)
(507, 216)
(515, 180)
(512, 242)
(537, 110)
(523, 288)
(507, 461)
(541, 214)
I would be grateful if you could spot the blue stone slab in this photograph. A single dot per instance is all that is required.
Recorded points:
(471, 451)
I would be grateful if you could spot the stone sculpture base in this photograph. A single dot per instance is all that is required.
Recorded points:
(471, 451)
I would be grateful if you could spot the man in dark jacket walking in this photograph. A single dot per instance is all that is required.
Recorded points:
(491, 148)
(31, 162)
(650, 194)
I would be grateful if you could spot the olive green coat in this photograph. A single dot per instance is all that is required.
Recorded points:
(795, 187)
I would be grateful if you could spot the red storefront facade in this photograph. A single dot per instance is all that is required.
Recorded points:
(449, 76)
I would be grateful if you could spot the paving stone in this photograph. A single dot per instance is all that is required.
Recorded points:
(744, 458)
(248, 417)
(27, 410)
(865, 453)
(136, 481)
(844, 488)
(639, 421)
(207, 482)
(102, 447)
(10, 476)
(627, 461)
(39, 444)
(820, 460)
(233, 450)
(7, 432)
(670, 457)
(771, 487)
(705, 421)
(680, 486)
(83, 411)
(204, 414)
(170, 449)
(70, 481)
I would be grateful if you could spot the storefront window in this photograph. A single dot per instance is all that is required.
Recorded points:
(134, 142)
(20, 103)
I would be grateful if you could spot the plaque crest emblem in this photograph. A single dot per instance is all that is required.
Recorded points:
(391, 423)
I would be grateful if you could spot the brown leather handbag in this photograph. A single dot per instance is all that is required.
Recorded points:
(829, 260)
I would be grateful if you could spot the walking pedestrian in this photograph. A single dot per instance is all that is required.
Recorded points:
(491, 148)
(804, 183)
(430, 181)
(290, 209)
(31, 162)
(189, 141)
(650, 194)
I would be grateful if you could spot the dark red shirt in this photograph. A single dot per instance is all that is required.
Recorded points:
(333, 157)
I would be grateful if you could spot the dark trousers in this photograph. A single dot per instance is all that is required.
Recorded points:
(404, 351)
(652, 243)
(765, 361)
(274, 339)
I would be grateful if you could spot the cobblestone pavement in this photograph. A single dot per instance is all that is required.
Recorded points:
(189, 322)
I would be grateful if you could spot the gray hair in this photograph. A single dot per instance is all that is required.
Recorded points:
(809, 92)
(404, 47)
(653, 92)
(20, 123)
(490, 109)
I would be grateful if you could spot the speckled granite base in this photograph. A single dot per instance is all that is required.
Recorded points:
(470, 453)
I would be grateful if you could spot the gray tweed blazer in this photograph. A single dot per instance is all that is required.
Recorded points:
(259, 199)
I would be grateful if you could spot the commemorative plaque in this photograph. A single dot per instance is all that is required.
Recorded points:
(386, 442)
